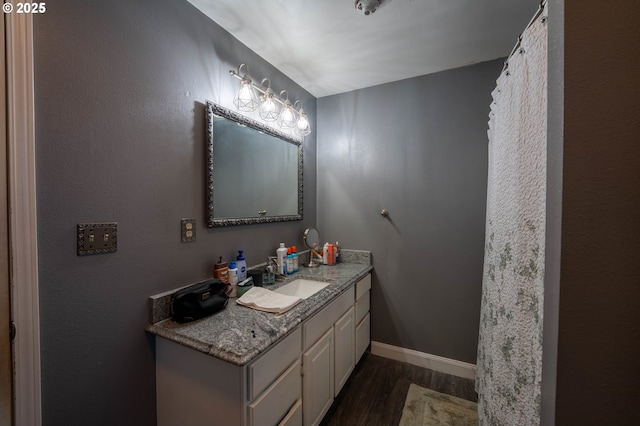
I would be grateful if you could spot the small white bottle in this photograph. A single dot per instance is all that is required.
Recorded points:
(233, 279)
(325, 254)
(281, 258)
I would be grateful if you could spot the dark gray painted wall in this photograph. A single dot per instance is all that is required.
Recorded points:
(120, 134)
(599, 320)
(417, 148)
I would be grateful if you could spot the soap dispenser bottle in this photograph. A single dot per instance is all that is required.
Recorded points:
(242, 266)
(269, 273)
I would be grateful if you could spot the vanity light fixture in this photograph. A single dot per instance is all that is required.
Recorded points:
(287, 119)
(302, 124)
(271, 107)
(246, 98)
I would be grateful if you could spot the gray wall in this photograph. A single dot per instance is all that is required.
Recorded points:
(599, 319)
(120, 134)
(417, 148)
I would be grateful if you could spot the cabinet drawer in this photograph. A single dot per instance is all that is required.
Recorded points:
(294, 417)
(269, 366)
(277, 400)
(362, 307)
(363, 336)
(363, 286)
(322, 321)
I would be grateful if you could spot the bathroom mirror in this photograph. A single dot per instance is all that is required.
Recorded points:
(254, 172)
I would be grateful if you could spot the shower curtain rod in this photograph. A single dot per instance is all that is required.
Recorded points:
(543, 3)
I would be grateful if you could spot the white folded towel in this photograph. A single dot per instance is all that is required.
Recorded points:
(266, 300)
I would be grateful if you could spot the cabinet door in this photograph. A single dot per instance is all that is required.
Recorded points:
(317, 395)
(344, 349)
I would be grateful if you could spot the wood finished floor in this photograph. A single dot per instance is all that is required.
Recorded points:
(376, 391)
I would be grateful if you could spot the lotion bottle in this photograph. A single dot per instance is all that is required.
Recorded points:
(281, 258)
(242, 266)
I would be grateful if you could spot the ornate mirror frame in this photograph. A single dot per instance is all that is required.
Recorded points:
(212, 222)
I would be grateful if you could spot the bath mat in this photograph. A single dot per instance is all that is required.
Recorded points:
(425, 407)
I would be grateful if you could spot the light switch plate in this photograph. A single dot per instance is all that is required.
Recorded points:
(97, 238)
(187, 230)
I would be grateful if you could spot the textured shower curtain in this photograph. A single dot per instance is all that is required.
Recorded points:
(510, 339)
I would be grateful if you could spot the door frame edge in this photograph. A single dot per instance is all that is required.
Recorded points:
(22, 218)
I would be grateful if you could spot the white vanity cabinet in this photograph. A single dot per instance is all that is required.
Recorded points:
(293, 383)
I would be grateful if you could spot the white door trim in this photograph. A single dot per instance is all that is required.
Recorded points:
(22, 218)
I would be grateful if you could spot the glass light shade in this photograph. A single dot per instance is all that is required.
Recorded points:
(302, 125)
(287, 119)
(269, 110)
(246, 99)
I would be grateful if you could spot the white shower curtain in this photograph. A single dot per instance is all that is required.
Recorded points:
(510, 340)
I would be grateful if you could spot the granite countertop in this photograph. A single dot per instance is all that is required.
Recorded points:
(238, 334)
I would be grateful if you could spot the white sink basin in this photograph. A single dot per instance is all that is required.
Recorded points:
(302, 288)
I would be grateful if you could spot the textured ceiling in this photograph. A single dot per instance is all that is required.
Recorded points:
(327, 47)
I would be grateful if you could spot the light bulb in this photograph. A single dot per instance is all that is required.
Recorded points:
(287, 117)
(246, 99)
(269, 109)
(302, 125)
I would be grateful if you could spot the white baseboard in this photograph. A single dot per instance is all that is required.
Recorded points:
(421, 359)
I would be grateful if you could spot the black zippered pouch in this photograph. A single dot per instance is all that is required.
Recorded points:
(199, 300)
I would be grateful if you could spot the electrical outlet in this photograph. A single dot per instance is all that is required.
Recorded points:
(97, 238)
(187, 230)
